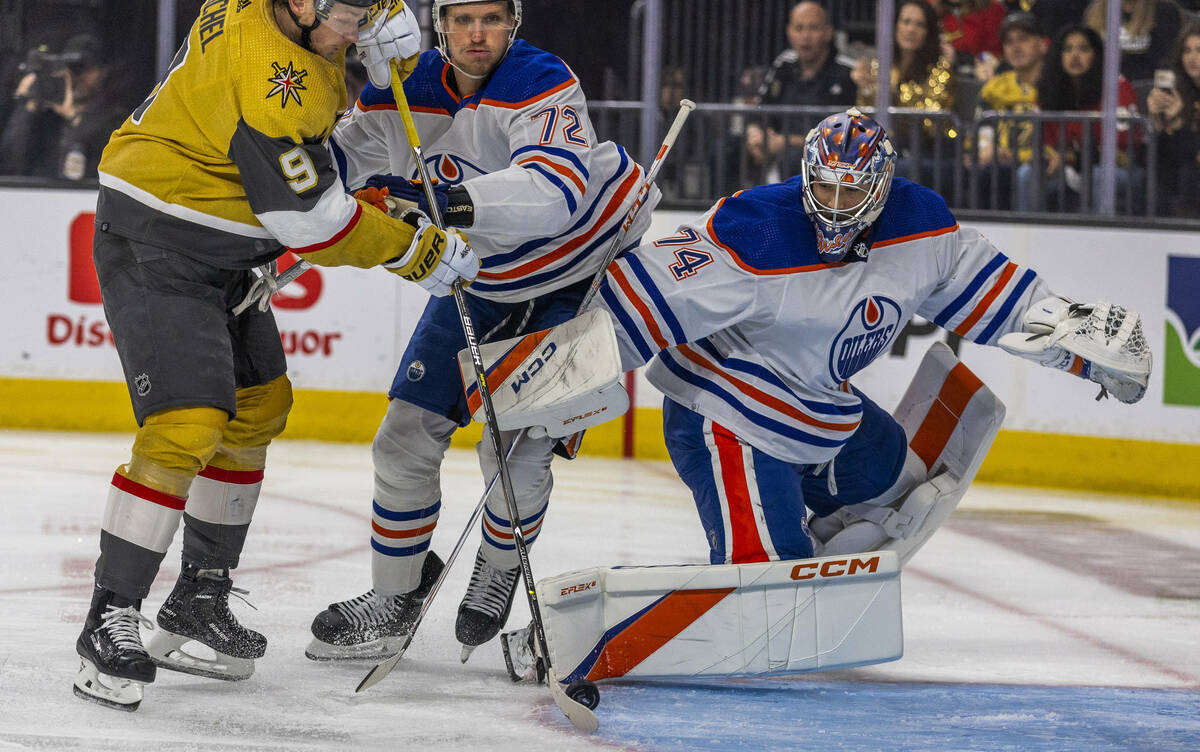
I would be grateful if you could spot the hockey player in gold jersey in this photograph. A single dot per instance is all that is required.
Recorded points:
(219, 171)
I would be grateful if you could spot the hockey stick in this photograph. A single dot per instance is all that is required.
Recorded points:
(382, 669)
(577, 713)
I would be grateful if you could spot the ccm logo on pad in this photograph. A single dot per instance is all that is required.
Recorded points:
(834, 568)
(577, 588)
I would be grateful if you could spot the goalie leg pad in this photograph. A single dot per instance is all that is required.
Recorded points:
(407, 452)
(767, 619)
(951, 419)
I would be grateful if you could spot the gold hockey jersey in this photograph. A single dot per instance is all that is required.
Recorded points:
(226, 160)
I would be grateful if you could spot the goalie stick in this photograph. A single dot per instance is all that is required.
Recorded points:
(383, 668)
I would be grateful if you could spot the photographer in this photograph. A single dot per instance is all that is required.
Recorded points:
(64, 114)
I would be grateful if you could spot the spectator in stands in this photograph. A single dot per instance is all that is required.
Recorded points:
(806, 73)
(1071, 81)
(972, 29)
(65, 115)
(1052, 15)
(1175, 112)
(1148, 31)
(1006, 143)
(922, 78)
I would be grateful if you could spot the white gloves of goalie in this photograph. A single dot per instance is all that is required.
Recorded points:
(435, 259)
(1101, 341)
(393, 37)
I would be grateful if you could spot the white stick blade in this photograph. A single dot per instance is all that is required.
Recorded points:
(580, 717)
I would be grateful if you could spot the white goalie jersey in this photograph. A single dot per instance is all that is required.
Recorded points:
(742, 322)
(548, 196)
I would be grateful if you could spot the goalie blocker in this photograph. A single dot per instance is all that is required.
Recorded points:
(559, 380)
(763, 619)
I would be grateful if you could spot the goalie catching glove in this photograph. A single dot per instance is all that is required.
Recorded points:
(435, 259)
(1101, 342)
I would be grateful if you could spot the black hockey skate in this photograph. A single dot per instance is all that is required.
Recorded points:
(197, 611)
(113, 664)
(485, 607)
(370, 625)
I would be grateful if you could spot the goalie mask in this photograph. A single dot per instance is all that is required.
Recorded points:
(847, 174)
(441, 25)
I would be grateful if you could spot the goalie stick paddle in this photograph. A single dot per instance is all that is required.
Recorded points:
(579, 715)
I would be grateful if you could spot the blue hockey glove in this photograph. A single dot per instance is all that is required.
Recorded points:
(454, 202)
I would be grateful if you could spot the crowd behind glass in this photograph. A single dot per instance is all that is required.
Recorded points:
(979, 89)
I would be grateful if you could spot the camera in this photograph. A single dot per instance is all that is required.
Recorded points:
(47, 87)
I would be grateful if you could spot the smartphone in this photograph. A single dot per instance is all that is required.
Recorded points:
(1164, 79)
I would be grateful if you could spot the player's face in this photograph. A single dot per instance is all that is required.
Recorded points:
(1077, 55)
(910, 28)
(336, 31)
(1191, 57)
(477, 35)
(838, 197)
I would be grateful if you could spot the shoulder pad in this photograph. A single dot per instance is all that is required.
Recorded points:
(912, 210)
(526, 75)
(766, 230)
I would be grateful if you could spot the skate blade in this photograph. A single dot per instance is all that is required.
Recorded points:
(384, 647)
(103, 689)
(176, 652)
(466, 652)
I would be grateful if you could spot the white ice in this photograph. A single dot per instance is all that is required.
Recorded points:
(1034, 620)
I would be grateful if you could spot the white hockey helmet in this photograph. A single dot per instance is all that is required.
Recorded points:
(439, 6)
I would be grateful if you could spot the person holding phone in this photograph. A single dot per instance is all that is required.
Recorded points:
(1174, 107)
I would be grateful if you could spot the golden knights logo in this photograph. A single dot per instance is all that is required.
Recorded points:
(289, 82)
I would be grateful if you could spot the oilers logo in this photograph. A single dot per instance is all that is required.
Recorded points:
(867, 332)
(449, 169)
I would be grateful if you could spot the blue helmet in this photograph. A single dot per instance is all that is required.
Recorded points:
(845, 151)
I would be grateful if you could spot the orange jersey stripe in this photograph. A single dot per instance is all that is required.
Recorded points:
(914, 236)
(651, 325)
(961, 330)
(617, 200)
(757, 394)
(568, 174)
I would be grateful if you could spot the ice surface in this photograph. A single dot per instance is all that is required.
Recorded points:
(1034, 621)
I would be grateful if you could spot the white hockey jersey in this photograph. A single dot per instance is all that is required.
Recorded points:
(747, 326)
(548, 197)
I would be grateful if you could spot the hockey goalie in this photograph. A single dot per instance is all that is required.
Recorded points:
(753, 319)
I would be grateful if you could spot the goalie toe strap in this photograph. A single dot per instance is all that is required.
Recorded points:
(895, 523)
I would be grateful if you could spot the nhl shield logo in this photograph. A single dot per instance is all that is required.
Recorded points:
(869, 329)
(141, 383)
